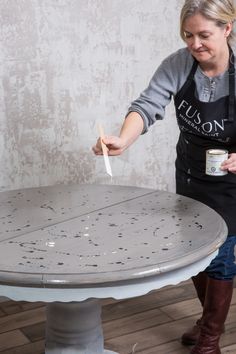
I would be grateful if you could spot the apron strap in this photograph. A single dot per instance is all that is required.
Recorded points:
(231, 72)
(188, 81)
(193, 70)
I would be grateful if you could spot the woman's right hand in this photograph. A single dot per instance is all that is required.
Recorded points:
(131, 129)
(115, 146)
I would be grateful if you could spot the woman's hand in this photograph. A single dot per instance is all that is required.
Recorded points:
(131, 129)
(114, 144)
(230, 164)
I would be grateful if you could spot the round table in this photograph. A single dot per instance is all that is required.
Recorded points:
(71, 245)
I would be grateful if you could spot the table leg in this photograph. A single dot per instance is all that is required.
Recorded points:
(74, 328)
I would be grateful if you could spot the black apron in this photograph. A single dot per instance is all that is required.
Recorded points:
(203, 126)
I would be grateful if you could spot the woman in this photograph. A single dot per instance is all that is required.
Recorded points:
(201, 79)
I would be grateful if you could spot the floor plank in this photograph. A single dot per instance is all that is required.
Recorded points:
(12, 339)
(22, 319)
(31, 348)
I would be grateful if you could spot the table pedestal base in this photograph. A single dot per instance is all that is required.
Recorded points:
(74, 328)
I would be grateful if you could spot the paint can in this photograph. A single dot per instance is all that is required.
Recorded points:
(214, 159)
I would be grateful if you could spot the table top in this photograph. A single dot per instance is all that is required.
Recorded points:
(90, 235)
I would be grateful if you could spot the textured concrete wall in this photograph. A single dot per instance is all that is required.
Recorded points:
(64, 66)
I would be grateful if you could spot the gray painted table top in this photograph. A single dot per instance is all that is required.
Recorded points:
(81, 235)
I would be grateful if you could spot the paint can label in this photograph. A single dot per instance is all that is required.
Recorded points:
(214, 159)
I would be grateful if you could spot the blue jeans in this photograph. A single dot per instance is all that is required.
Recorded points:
(223, 266)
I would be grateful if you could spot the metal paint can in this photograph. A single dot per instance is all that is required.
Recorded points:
(214, 159)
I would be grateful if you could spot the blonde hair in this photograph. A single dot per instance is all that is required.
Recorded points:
(219, 11)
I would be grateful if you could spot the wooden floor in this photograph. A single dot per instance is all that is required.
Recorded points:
(151, 324)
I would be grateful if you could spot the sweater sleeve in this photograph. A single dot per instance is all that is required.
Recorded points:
(165, 83)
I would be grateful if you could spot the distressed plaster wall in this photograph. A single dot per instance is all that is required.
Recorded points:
(64, 66)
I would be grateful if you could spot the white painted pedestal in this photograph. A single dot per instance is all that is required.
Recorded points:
(75, 328)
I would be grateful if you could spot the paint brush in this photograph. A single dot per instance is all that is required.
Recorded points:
(105, 151)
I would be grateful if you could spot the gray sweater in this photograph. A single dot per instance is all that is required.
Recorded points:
(168, 80)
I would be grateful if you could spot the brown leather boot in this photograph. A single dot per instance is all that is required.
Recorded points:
(200, 283)
(216, 306)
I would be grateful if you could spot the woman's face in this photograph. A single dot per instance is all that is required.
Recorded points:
(205, 40)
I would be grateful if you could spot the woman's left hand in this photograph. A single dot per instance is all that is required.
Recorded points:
(230, 164)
